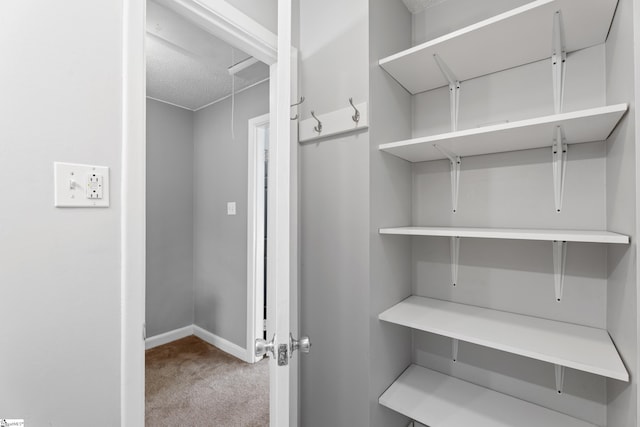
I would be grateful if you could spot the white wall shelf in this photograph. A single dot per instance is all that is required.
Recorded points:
(439, 400)
(584, 236)
(514, 38)
(564, 344)
(594, 124)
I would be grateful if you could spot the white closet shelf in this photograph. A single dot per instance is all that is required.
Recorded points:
(439, 400)
(513, 38)
(565, 344)
(584, 236)
(595, 124)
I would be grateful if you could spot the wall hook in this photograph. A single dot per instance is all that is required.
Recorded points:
(319, 127)
(356, 116)
(295, 105)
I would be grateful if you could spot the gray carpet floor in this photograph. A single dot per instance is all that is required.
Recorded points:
(190, 383)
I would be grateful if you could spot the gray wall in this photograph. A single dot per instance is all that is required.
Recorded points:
(220, 241)
(334, 219)
(169, 288)
(390, 204)
(622, 201)
(59, 268)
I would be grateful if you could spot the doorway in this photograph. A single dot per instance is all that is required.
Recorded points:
(205, 201)
(219, 18)
(257, 228)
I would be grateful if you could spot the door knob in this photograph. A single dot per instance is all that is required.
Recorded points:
(263, 347)
(303, 344)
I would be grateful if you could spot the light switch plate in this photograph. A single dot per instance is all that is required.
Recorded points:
(78, 185)
(231, 208)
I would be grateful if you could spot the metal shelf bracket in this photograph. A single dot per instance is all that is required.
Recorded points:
(559, 261)
(455, 255)
(558, 62)
(559, 370)
(559, 151)
(454, 349)
(454, 90)
(455, 161)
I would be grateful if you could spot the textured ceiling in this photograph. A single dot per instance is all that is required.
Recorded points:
(417, 6)
(187, 66)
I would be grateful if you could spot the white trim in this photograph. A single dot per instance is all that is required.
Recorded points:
(229, 96)
(224, 21)
(167, 337)
(212, 102)
(221, 343)
(255, 235)
(170, 103)
(133, 221)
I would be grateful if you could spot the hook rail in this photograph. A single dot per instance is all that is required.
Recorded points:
(334, 123)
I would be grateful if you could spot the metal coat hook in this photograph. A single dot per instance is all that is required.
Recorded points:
(319, 127)
(356, 116)
(295, 105)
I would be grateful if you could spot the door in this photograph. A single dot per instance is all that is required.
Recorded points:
(282, 291)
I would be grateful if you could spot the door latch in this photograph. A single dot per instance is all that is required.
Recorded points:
(283, 355)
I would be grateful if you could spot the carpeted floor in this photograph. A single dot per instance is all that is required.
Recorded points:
(193, 384)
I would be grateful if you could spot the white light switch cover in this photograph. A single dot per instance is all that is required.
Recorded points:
(231, 208)
(80, 185)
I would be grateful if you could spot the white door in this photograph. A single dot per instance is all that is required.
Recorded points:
(282, 231)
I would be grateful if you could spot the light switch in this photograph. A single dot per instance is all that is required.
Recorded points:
(80, 185)
(231, 208)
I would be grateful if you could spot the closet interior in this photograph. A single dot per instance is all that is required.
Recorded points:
(503, 212)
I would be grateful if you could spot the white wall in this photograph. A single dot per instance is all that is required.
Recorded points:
(59, 268)
(170, 289)
(427, 25)
(220, 240)
(265, 12)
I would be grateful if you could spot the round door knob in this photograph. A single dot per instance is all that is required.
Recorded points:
(303, 344)
(263, 347)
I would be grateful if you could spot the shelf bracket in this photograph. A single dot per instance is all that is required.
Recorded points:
(455, 255)
(559, 378)
(454, 349)
(558, 62)
(559, 261)
(454, 90)
(559, 151)
(455, 174)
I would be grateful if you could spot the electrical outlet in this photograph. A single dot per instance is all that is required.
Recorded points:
(94, 186)
(78, 185)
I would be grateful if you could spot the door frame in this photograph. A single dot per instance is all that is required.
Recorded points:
(255, 239)
(224, 21)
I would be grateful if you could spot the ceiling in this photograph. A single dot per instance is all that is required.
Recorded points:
(187, 66)
(417, 6)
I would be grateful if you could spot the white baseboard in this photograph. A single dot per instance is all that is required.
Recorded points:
(168, 337)
(222, 344)
(203, 334)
